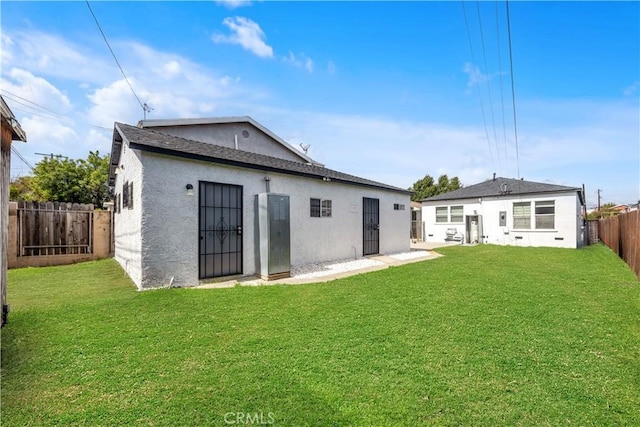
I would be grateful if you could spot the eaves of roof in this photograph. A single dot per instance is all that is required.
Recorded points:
(503, 187)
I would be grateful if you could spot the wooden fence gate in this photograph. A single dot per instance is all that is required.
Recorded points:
(52, 228)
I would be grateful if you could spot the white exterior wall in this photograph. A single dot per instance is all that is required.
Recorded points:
(127, 223)
(168, 232)
(566, 234)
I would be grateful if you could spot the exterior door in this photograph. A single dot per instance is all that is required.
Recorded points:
(370, 226)
(220, 230)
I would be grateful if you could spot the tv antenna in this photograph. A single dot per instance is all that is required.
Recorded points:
(304, 147)
(146, 109)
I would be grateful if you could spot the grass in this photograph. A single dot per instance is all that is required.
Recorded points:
(486, 335)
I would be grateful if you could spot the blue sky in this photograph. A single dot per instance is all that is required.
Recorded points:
(389, 91)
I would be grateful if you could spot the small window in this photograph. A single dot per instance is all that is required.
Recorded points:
(315, 208)
(325, 208)
(545, 215)
(442, 214)
(130, 203)
(522, 215)
(398, 207)
(414, 215)
(457, 214)
(320, 208)
(125, 195)
(116, 202)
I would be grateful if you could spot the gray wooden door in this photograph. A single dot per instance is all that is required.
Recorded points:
(370, 226)
(220, 230)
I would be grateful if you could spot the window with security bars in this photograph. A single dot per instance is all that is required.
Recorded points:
(320, 208)
(522, 215)
(545, 215)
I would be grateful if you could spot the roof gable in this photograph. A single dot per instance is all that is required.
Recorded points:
(158, 142)
(242, 133)
(501, 187)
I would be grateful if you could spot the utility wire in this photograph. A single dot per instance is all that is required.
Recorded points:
(504, 125)
(486, 70)
(17, 153)
(486, 131)
(143, 106)
(513, 93)
(30, 102)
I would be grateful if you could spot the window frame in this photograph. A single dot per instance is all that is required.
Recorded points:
(320, 208)
(524, 216)
(542, 217)
(460, 215)
(439, 217)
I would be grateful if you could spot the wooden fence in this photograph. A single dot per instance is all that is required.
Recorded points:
(51, 233)
(621, 233)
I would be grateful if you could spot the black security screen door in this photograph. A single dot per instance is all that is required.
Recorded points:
(370, 226)
(220, 230)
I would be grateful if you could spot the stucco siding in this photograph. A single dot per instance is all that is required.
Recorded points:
(127, 223)
(566, 232)
(169, 227)
(248, 136)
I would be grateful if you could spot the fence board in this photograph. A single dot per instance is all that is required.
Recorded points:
(47, 228)
(621, 234)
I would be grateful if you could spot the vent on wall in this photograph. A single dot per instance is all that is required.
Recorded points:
(245, 133)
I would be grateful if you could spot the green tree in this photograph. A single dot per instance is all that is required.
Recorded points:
(20, 189)
(427, 187)
(67, 180)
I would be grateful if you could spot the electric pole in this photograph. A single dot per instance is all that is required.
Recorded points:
(599, 190)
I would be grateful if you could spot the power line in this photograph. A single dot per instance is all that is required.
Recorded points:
(142, 105)
(513, 92)
(17, 153)
(486, 70)
(504, 126)
(30, 102)
(484, 120)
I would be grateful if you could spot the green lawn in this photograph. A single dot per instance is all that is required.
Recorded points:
(486, 335)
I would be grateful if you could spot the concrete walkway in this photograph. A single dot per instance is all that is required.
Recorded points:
(326, 272)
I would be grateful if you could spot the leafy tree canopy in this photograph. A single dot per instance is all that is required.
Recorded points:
(427, 187)
(66, 180)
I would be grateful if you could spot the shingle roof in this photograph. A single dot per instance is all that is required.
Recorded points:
(501, 187)
(158, 142)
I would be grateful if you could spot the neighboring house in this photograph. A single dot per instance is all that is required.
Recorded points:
(11, 131)
(507, 211)
(198, 200)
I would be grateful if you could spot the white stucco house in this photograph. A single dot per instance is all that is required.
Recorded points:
(506, 211)
(201, 200)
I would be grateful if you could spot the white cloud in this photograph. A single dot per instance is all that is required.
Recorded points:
(632, 89)
(302, 61)
(233, 4)
(247, 34)
(52, 56)
(331, 68)
(35, 94)
(476, 77)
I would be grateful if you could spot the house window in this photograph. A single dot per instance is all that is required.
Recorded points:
(414, 215)
(522, 215)
(545, 215)
(125, 195)
(130, 195)
(442, 214)
(320, 208)
(116, 208)
(398, 207)
(315, 208)
(325, 208)
(457, 213)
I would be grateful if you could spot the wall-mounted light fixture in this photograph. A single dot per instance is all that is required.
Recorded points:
(189, 190)
(267, 180)
(326, 179)
(119, 169)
